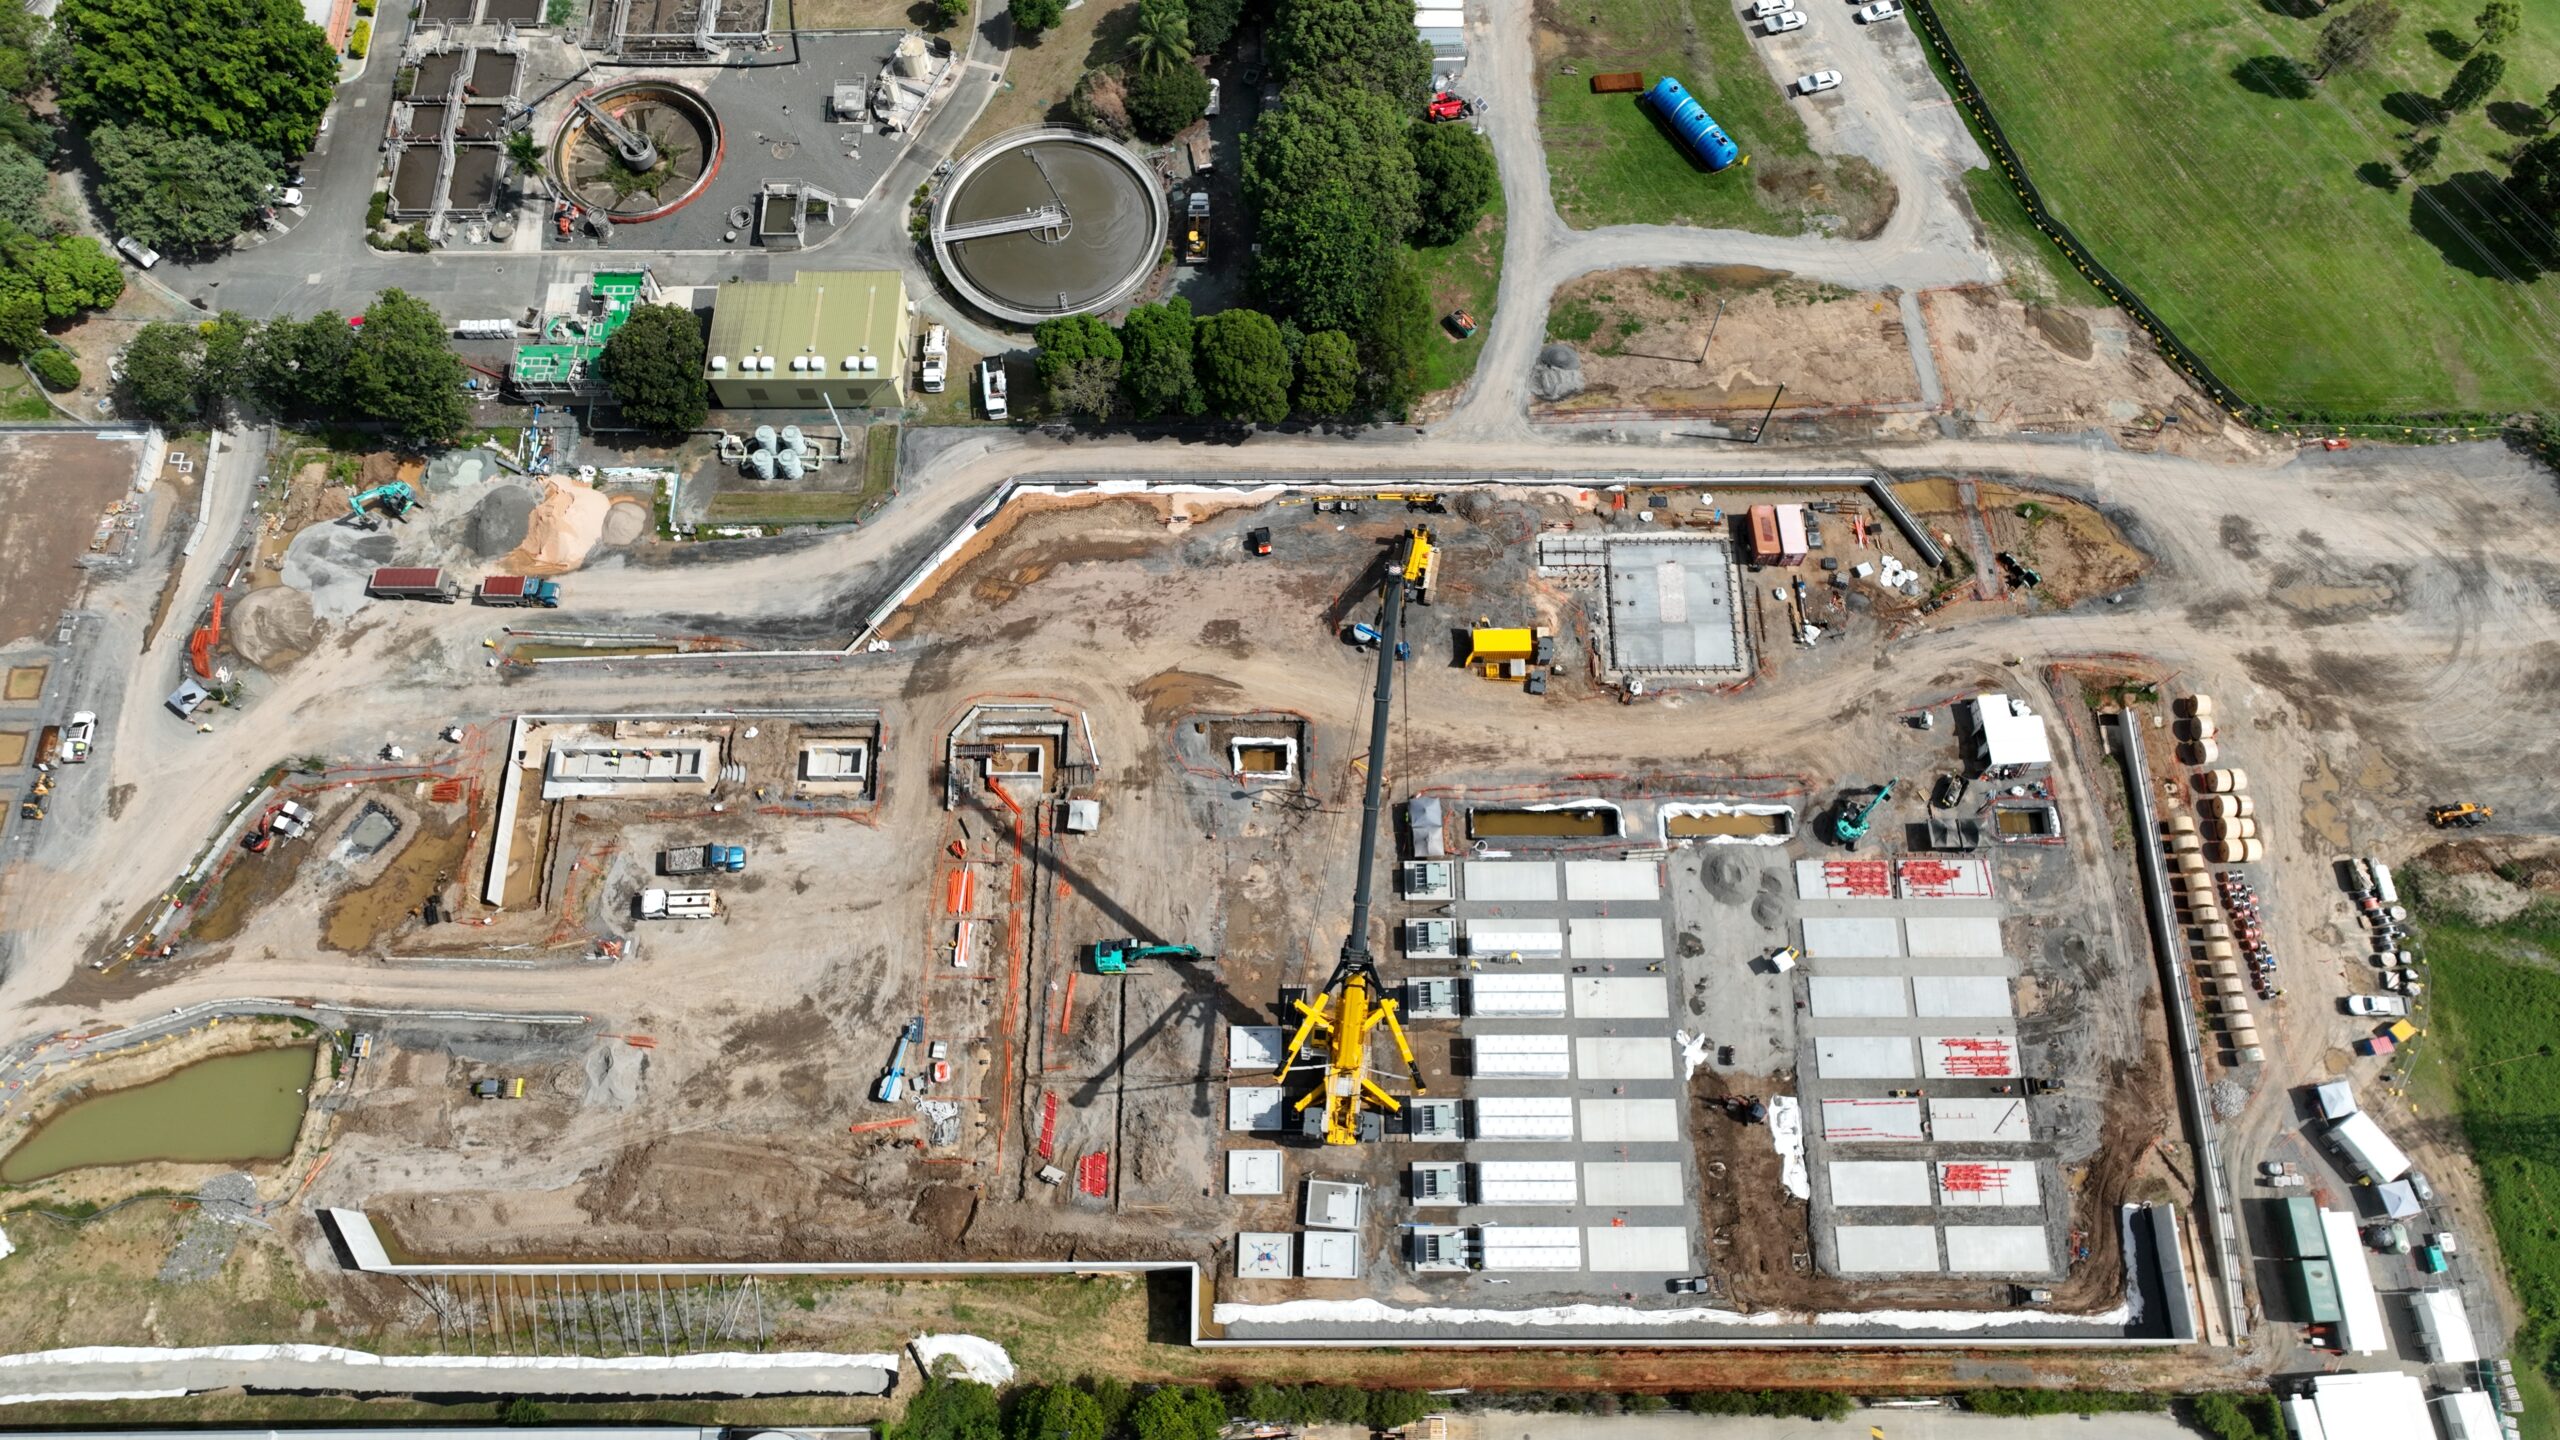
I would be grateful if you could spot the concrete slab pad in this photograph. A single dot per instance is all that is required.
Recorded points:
(1615, 937)
(1879, 1182)
(1633, 1184)
(1864, 997)
(1953, 935)
(1843, 879)
(1501, 882)
(1852, 937)
(1616, 1121)
(1256, 1047)
(1621, 997)
(1863, 1057)
(1612, 880)
(1943, 877)
(1253, 1172)
(1636, 1249)
(1885, 1249)
(1998, 1250)
(1969, 1057)
(1671, 605)
(1987, 1183)
(1850, 1122)
(1255, 1107)
(1623, 1057)
(1979, 1119)
(1960, 996)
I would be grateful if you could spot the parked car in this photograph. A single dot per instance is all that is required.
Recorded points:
(290, 197)
(1766, 8)
(991, 388)
(1784, 21)
(1817, 82)
(2425, 1192)
(1879, 12)
(1687, 1284)
(139, 253)
(1213, 98)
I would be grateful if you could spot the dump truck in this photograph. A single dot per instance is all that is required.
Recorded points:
(48, 746)
(657, 904)
(518, 591)
(412, 582)
(703, 860)
(937, 359)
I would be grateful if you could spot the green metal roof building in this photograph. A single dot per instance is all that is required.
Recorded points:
(823, 337)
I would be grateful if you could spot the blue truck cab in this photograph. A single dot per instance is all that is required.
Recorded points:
(1690, 121)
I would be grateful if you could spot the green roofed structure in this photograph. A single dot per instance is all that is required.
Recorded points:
(560, 367)
(822, 338)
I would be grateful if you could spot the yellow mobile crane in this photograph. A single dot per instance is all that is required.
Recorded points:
(1352, 1005)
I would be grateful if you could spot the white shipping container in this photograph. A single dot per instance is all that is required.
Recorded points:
(1529, 1247)
(1525, 1182)
(1528, 939)
(1515, 995)
(1522, 1057)
(1541, 1117)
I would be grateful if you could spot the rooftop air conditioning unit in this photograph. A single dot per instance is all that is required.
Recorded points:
(852, 364)
(719, 364)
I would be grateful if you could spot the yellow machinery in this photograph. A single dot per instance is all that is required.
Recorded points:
(2462, 815)
(1353, 1004)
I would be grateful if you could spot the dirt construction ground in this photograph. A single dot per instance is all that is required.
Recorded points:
(54, 491)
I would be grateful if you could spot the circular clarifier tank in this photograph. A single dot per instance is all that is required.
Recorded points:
(653, 150)
(1048, 221)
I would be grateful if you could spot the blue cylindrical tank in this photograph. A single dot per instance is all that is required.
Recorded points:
(1690, 121)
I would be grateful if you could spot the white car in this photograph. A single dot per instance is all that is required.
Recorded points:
(1784, 21)
(1879, 12)
(141, 254)
(991, 388)
(290, 196)
(1817, 82)
(1214, 87)
(79, 737)
(1766, 8)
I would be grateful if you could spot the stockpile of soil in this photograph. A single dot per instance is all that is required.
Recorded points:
(271, 627)
(498, 521)
(560, 531)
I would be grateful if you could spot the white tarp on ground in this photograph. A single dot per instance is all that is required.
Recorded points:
(1859, 997)
(1601, 1317)
(1960, 996)
(1953, 936)
(1786, 1132)
(6, 1249)
(1885, 1249)
(1621, 997)
(1978, 1119)
(1623, 1057)
(1852, 937)
(1612, 880)
(1630, 1122)
(1987, 1183)
(1615, 937)
(1863, 1057)
(1632, 1184)
(1636, 1249)
(1522, 996)
(981, 1360)
(1499, 882)
(1255, 1047)
(1861, 1183)
(1998, 1250)
(1778, 835)
(1849, 1122)
(1969, 1057)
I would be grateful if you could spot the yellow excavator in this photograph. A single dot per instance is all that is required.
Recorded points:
(2461, 815)
(1353, 1005)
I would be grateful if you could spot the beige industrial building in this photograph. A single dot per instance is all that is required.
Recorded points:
(823, 337)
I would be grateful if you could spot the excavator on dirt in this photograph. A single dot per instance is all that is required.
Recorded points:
(2461, 815)
(1354, 1005)
(396, 500)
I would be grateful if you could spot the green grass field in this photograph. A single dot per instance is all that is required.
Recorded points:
(2493, 1050)
(2166, 134)
(1611, 164)
(1463, 276)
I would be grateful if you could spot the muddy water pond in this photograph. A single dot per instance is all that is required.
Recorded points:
(229, 1110)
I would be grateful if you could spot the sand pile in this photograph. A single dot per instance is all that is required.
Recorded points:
(498, 521)
(272, 627)
(562, 530)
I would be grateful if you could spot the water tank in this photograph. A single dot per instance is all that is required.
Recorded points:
(787, 463)
(764, 437)
(793, 442)
(911, 58)
(1690, 121)
(719, 364)
(760, 464)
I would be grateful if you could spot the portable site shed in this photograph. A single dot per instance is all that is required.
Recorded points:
(2370, 1151)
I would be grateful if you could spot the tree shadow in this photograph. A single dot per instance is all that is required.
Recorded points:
(2514, 117)
(2379, 175)
(2478, 227)
(2293, 9)
(2409, 107)
(2278, 77)
(2447, 44)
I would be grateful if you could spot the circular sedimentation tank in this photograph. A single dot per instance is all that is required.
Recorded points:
(1048, 221)
(678, 135)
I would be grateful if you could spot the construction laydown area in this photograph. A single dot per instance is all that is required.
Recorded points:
(1691, 993)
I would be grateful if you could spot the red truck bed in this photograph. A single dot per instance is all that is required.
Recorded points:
(407, 577)
(503, 587)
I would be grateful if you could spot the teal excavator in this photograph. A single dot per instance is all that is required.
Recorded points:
(396, 499)
(1112, 957)
(1850, 827)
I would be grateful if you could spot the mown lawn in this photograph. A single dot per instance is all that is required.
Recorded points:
(2495, 1052)
(1610, 163)
(2261, 215)
(1466, 276)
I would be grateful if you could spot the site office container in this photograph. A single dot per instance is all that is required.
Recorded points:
(1764, 534)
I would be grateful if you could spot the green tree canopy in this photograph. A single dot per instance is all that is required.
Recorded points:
(1399, 336)
(1328, 374)
(1162, 103)
(1243, 366)
(653, 365)
(1155, 369)
(403, 375)
(1058, 1412)
(1079, 365)
(62, 278)
(22, 187)
(1346, 134)
(2533, 177)
(950, 1409)
(2496, 21)
(1459, 179)
(1213, 23)
(1323, 258)
(222, 376)
(1163, 37)
(1033, 16)
(300, 367)
(163, 373)
(2353, 36)
(178, 194)
(2472, 83)
(1367, 44)
(252, 71)
(1178, 1412)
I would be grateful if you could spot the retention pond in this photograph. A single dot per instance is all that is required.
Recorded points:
(229, 1110)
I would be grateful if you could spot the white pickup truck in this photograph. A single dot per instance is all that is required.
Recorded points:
(937, 359)
(2377, 1005)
